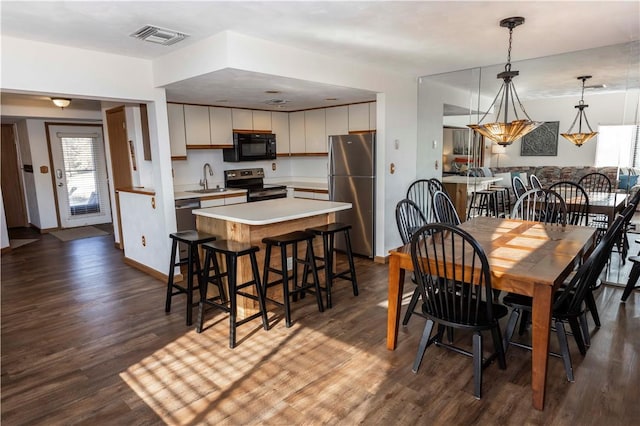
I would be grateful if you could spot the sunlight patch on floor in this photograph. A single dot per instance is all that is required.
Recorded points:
(276, 374)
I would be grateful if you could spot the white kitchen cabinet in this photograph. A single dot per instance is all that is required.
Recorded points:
(196, 124)
(221, 124)
(236, 199)
(280, 127)
(337, 119)
(299, 193)
(315, 131)
(177, 139)
(262, 120)
(359, 117)
(211, 202)
(296, 133)
(322, 196)
(311, 194)
(372, 116)
(242, 119)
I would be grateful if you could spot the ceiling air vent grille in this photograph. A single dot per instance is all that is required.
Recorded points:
(158, 35)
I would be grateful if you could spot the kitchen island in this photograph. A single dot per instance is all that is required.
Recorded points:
(251, 222)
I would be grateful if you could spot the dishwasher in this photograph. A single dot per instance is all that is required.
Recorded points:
(185, 219)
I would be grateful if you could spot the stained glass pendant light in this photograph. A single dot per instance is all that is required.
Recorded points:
(579, 138)
(505, 132)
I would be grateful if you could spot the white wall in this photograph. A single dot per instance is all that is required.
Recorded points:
(46, 206)
(605, 109)
(4, 234)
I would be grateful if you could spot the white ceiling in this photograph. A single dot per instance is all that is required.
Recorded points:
(418, 37)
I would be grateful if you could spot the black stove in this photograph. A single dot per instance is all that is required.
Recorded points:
(253, 181)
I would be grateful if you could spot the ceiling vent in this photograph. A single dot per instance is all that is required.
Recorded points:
(158, 35)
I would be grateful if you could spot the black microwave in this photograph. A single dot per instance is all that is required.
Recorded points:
(251, 147)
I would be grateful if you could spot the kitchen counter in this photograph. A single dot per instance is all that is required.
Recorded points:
(272, 211)
(302, 184)
(183, 195)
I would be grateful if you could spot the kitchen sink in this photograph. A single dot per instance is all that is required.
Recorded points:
(208, 191)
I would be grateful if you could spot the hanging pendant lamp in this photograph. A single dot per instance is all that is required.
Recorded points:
(579, 138)
(505, 132)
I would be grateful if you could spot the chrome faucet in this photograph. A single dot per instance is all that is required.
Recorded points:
(203, 182)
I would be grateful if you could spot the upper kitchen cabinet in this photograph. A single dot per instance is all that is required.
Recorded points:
(242, 119)
(246, 119)
(315, 131)
(359, 117)
(337, 119)
(197, 128)
(296, 133)
(262, 121)
(221, 123)
(177, 138)
(280, 127)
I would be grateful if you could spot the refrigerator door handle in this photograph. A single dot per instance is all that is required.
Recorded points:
(330, 174)
(330, 156)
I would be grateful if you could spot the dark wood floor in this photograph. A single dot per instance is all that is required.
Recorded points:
(85, 340)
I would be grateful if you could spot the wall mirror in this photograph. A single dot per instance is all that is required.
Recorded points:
(549, 90)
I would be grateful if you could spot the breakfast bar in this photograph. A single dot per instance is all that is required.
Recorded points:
(251, 222)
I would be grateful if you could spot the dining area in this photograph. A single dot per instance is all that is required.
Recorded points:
(543, 263)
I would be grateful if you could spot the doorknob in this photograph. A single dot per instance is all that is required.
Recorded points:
(59, 173)
(60, 184)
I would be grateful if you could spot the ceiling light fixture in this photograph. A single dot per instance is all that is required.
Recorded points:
(61, 102)
(579, 138)
(276, 102)
(504, 133)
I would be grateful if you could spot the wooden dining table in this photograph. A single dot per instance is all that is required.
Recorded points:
(607, 203)
(528, 258)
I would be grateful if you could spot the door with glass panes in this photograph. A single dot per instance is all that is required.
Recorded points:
(80, 175)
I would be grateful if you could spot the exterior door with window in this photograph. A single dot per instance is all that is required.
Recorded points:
(80, 175)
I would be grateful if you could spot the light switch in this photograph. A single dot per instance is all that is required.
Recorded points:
(435, 144)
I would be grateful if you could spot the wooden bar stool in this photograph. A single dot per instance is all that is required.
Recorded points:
(231, 250)
(283, 241)
(192, 239)
(328, 232)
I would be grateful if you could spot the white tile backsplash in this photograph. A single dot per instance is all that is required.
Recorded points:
(187, 173)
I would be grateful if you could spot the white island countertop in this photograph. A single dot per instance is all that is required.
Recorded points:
(272, 211)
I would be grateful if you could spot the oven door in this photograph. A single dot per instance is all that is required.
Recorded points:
(266, 195)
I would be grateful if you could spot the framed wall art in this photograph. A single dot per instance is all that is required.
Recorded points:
(543, 141)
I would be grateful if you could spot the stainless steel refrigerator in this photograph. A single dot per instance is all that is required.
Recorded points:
(352, 179)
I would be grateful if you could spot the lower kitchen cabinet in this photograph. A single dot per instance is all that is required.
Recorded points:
(222, 200)
(311, 194)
